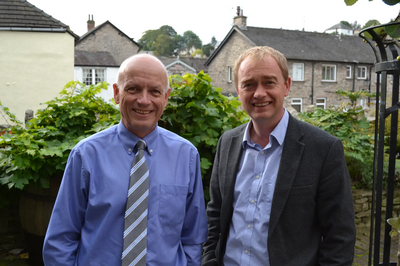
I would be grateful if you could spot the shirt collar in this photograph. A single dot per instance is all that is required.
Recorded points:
(129, 139)
(278, 133)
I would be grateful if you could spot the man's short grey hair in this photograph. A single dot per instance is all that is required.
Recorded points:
(126, 61)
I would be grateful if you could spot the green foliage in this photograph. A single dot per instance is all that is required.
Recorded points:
(190, 39)
(349, 123)
(38, 151)
(388, 2)
(198, 52)
(199, 112)
(166, 42)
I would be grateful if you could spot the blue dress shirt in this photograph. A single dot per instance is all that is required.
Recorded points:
(247, 242)
(86, 226)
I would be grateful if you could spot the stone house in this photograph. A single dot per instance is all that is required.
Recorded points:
(319, 63)
(36, 57)
(340, 28)
(100, 52)
(182, 65)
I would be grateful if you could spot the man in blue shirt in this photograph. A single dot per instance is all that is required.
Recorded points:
(280, 190)
(87, 223)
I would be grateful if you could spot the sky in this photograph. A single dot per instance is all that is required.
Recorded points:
(208, 18)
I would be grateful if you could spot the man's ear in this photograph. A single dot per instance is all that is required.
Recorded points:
(116, 93)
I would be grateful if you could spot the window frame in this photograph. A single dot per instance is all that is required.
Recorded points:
(94, 75)
(320, 104)
(324, 70)
(348, 72)
(294, 78)
(230, 74)
(358, 72)
(300, 103)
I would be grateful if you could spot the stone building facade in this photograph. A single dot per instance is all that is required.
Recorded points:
(319, 63)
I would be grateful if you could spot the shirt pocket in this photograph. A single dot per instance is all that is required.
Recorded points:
(172, 205)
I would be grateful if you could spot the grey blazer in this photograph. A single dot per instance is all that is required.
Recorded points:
(312, 213)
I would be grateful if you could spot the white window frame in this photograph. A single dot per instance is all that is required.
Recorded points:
(362, 102)
(95, 74)
(298, 72)
(361, 72)
(297, 102)
(320, 105)
(329, 70)
(348, 72)
(230, 74)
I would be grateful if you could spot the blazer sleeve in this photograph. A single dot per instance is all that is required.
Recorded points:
(213, 215)
(336, 210)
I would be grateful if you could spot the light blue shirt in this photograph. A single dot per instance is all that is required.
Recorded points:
(86, 226)
(247, 242)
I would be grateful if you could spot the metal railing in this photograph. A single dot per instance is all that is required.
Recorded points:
(387, 65)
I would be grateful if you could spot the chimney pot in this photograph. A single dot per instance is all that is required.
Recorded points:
(90, 23)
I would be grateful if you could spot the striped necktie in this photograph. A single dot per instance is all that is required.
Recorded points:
(135, 231)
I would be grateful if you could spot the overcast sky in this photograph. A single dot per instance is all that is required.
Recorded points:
(208, 18)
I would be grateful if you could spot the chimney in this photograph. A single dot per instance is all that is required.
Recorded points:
(240, 20)
(90, 23)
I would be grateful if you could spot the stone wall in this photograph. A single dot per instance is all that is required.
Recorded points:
(107, 38)
(363, 204)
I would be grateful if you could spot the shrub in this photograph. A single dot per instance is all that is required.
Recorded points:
(32, 154)
(198, 111)
(349, 123)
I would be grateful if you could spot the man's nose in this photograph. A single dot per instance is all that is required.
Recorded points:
(260, 91)
(144, 97)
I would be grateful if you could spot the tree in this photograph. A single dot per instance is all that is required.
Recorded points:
(388, 2)
(190, 39)
(354, 26)
(162, 41)
(207, 48)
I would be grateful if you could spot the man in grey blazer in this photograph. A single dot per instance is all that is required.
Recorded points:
(280, 192)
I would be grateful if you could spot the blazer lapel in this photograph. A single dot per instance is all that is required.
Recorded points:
(290, 161)
(234, 156)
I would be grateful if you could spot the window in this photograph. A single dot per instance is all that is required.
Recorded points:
(348, 72)
(93, 76)
(298, 71)
(230, 74)
(297, 104)
(328, 73)
(362, 103)
(362, 72)
(320, 103)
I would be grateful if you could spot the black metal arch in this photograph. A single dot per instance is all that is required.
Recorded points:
(385, 67)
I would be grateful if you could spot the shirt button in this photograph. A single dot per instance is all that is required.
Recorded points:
(252, 201)
(129, 149)
(151, 150)
(257, 176)
(249, 226)
(262, 152)
(246, 251)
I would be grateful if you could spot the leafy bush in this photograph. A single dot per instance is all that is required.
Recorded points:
(199, 112)
(349, 123)
(38, 151)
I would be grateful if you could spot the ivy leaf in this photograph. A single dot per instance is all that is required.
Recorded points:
(393, 31)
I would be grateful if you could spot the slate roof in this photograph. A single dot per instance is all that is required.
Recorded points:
(22, 15)
(103, 59)
(340, 26)
(196, 63)
(306, 46)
